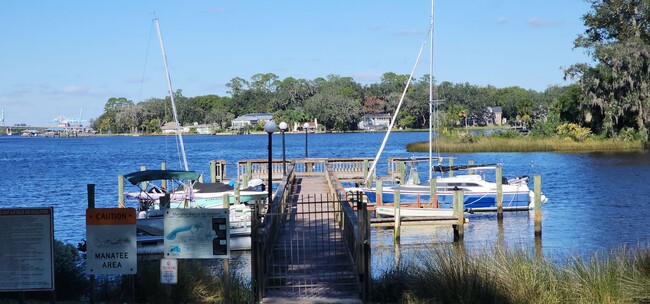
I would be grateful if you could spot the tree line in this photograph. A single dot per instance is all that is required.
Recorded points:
(609, 98)
(337, 102)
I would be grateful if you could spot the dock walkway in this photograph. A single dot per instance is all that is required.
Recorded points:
(311, 260)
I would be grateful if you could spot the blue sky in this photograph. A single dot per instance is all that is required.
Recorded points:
(58, 57)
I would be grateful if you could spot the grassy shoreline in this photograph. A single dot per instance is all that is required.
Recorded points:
(440, 274)
(527, 144)
(516, 276)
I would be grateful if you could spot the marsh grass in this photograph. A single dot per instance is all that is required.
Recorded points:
(516, 276)
(479, 143)
(196, 284)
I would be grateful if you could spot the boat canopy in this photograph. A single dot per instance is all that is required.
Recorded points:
(149, 175)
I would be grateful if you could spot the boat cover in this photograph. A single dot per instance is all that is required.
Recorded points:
(149, 175)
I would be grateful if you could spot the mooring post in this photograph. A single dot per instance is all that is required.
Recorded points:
(120, 191)
(237, 197)
(143, 185)
(499, 171)
(538, 205)
(213, 170)
(91, 204)
(433, 192)
(451, 164)
(397, 216)
(379, 189)
(365, 168)
(163, 166)
(459, 227)
(226, 261)
(255, 225)
(249, 171)
(470, 163)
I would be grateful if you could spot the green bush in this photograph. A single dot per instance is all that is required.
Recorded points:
(69, 278)
(573, 131)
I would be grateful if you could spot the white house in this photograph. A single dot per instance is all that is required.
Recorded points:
(374, 122)
(250, 120)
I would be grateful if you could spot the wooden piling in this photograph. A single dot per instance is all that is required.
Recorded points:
(237, 198)
(459, 227)
(91, 204)
(499, 171)
(120, 191)
(397, 216)
(163, 166)
(538, 205)
(470, 163)
(451, 164)
(365, 169)
(433, 192)
(143, 185)
(225, 200)
(213, 170)
(379, 189)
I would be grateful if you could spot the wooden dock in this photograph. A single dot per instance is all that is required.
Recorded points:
(312, 262)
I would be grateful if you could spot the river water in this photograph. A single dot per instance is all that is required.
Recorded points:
(597, 201)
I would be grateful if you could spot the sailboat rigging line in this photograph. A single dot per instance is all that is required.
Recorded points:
(431, 89)
(392, 121)
(171, 96)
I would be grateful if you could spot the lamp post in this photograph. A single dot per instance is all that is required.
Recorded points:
(306, 126)
(283, 128)
(270, 127)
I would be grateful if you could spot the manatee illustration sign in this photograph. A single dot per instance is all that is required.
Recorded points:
(197, 233)
(111, 241)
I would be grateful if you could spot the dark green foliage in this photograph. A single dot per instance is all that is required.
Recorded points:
(545, 128)
(69, 278)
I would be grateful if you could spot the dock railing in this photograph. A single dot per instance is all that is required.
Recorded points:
(344, 168)
(266, 224)
(355, 228)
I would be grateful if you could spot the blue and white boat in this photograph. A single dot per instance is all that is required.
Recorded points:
(478, 194)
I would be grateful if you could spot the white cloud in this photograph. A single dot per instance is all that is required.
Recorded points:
(539, 22)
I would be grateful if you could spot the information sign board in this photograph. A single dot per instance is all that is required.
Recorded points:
(111, 242)
(197, 233)
(26, 257)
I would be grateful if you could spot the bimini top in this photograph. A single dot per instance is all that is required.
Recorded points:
(149, 175)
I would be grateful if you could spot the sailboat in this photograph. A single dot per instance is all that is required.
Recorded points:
(479, 194)
(186, 192)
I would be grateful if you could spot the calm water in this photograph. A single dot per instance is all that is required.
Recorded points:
(598, 201)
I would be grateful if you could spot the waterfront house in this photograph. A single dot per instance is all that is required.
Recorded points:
(251, 119)
(374, 122)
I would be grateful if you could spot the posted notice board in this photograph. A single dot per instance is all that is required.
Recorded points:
(26, 257)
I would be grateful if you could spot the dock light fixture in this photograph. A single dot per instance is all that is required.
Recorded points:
(283, 128)
(270, 127)
(306, 127)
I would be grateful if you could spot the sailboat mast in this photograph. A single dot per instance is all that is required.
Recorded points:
(431, 93)
(171, 95)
